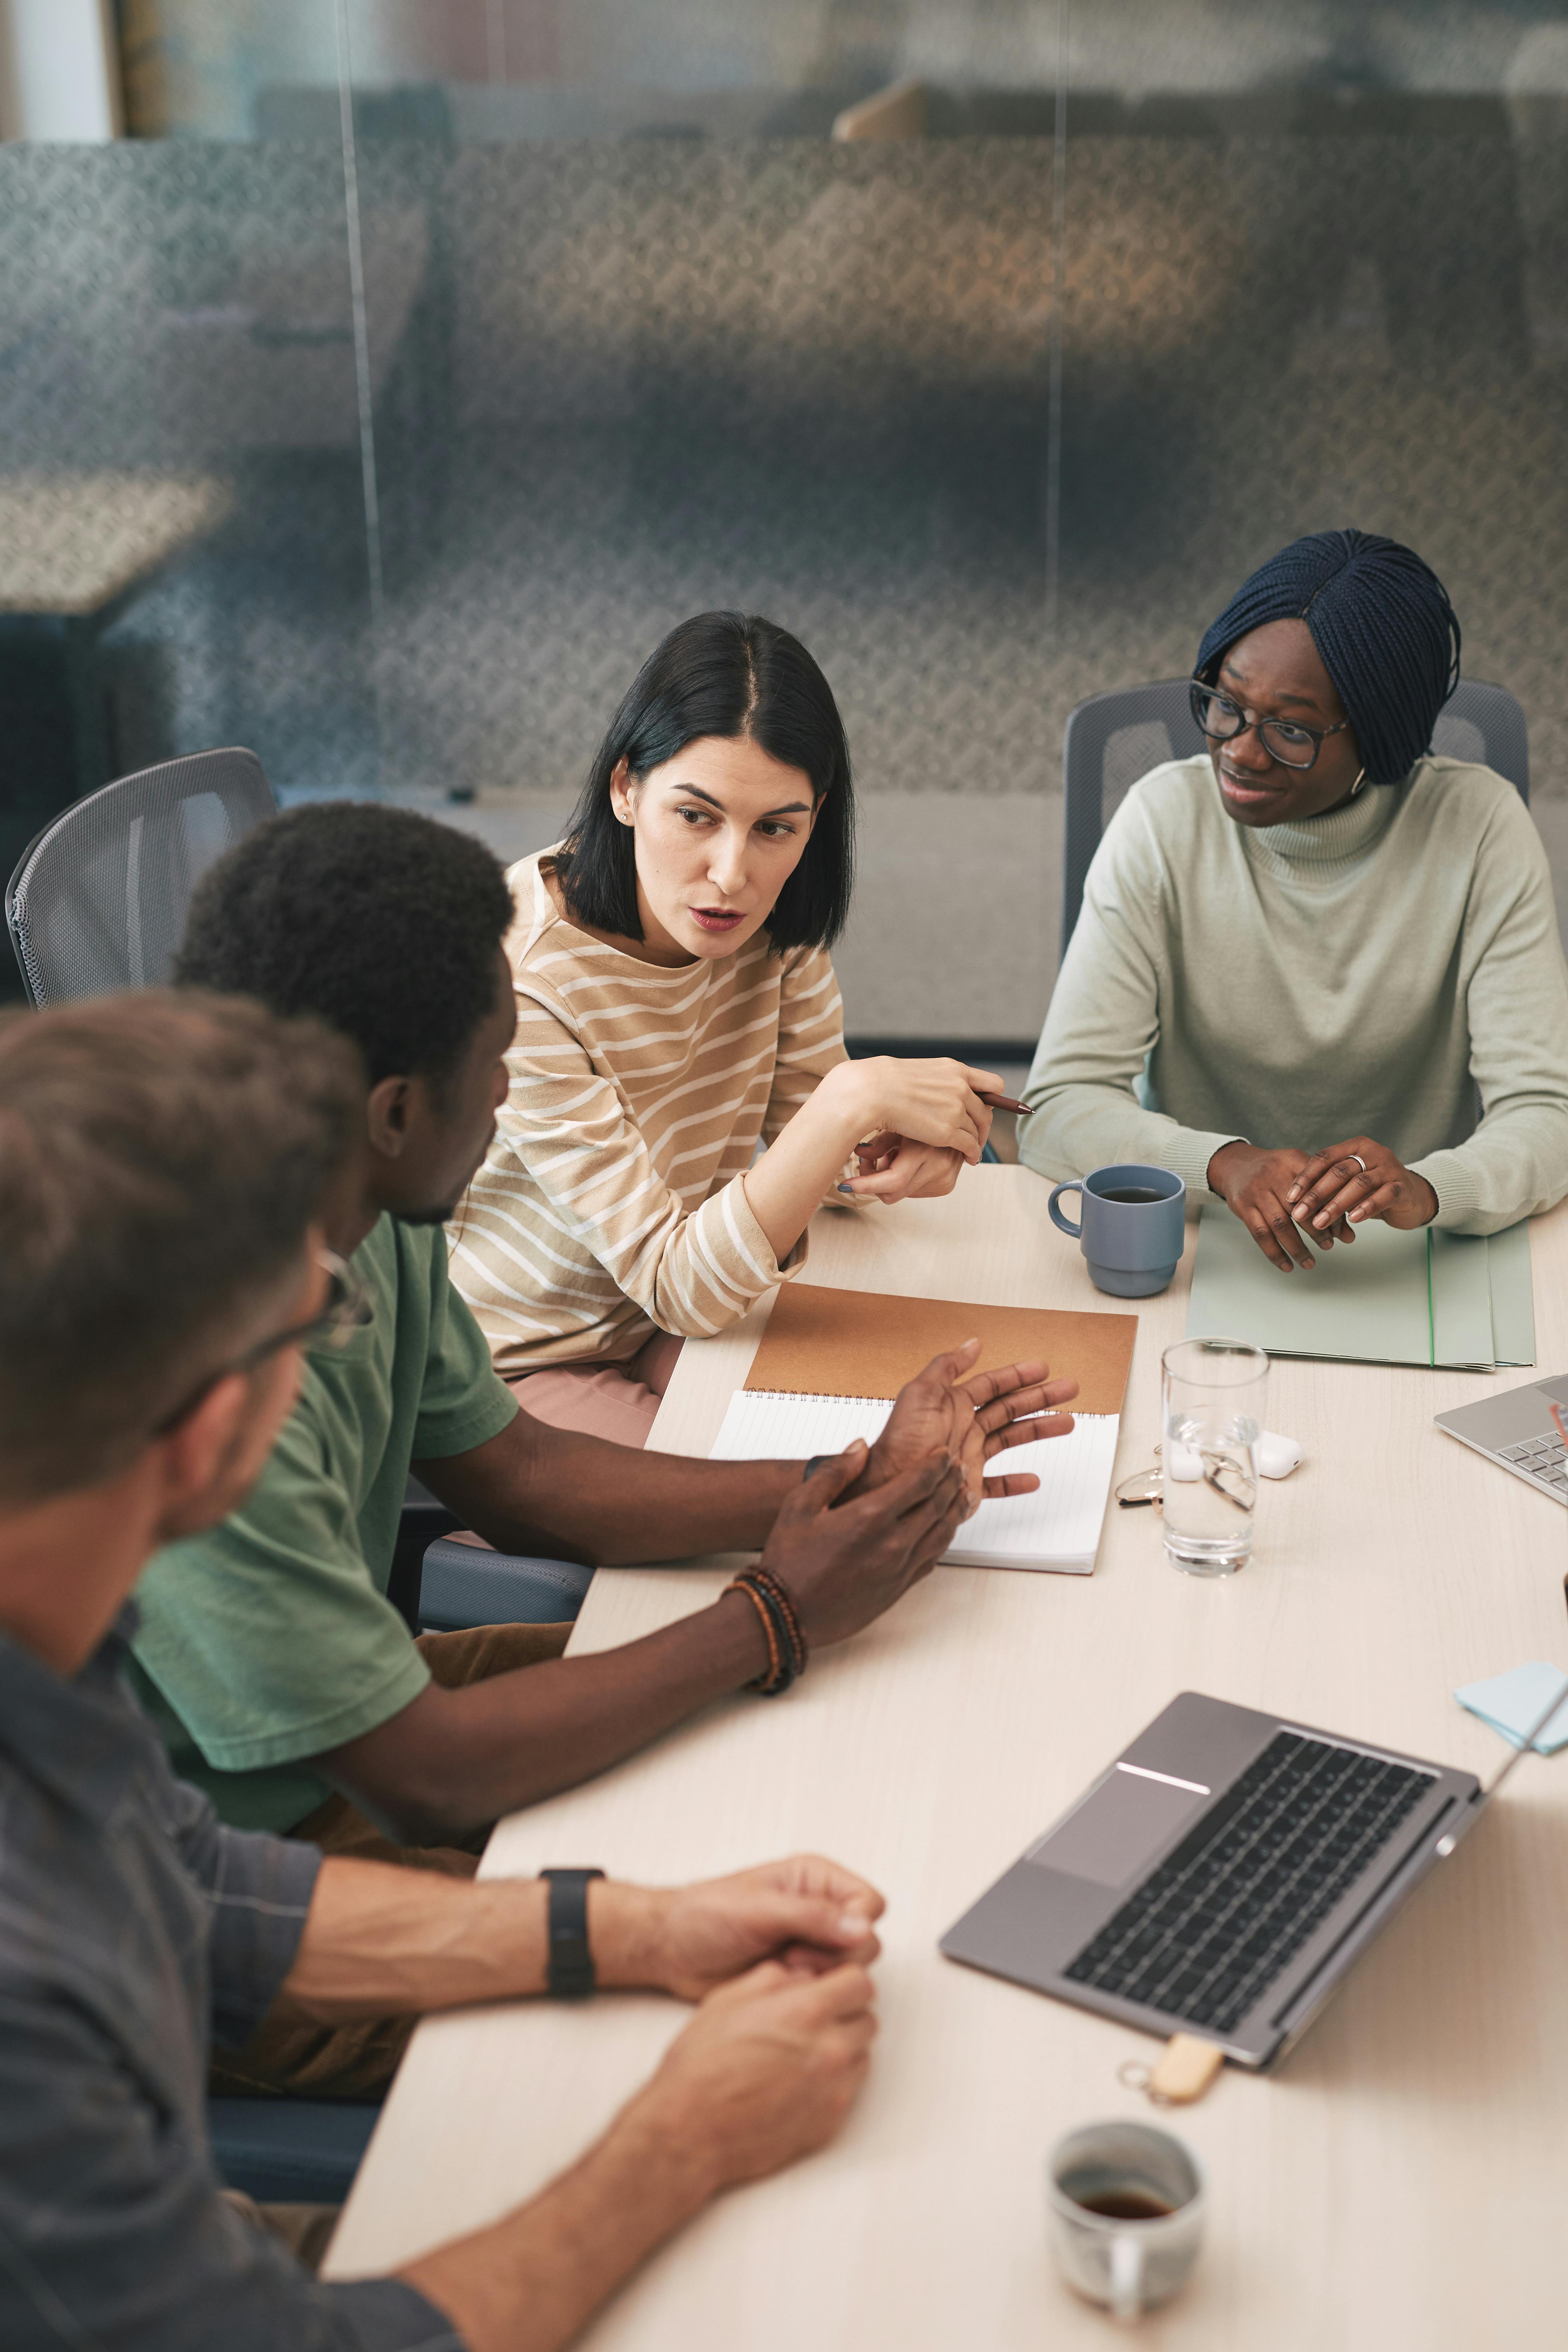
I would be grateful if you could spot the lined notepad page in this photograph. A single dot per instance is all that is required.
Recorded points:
(1056, 1527)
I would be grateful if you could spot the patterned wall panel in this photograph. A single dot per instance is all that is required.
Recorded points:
(1372, 308)
(177, 321)
(805, 379)
(817, 381)
(606, 383)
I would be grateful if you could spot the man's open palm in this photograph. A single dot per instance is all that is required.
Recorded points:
(972, 1418)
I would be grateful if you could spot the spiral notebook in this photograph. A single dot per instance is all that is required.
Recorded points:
(831, 1362)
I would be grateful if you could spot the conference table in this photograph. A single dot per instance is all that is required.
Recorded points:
(1396, 2185)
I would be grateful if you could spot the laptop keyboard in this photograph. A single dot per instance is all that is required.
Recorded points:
(1542, 1458)
(1206, 1934)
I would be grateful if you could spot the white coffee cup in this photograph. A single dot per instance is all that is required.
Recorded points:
(1126, 2214)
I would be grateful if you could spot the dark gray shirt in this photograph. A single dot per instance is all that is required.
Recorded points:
(132, 1925)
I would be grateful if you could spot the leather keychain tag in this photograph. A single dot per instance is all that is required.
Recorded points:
(1182, 2073)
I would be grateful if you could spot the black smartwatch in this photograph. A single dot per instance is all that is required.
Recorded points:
(571, 1973)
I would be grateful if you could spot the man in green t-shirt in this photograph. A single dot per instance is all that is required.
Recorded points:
(268, 1653)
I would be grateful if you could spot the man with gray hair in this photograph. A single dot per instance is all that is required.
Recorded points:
(167, 1166)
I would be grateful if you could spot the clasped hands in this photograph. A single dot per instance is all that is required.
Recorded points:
(803, 1915)
(779, 1960)
(1277, 1193)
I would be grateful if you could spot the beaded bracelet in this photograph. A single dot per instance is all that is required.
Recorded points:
(777, 1677)
(780, 1627)
(774, 1589)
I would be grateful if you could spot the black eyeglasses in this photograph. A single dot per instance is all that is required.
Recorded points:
(1285, 740)
(347, 1308)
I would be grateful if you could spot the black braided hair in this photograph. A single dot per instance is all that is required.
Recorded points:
(1383, 624)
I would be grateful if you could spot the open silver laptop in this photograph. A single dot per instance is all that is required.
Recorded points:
(1223, 1875)
(1517, 1429)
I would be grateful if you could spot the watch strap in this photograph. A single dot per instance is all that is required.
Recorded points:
(570, 1972)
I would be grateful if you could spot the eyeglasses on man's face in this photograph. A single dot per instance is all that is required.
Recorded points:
(346, 1308)
(1222, 719)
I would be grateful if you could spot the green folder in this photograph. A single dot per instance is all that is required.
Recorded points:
(1513, 1295)
(1461, 1301)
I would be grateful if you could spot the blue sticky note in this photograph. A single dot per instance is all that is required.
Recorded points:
(1511, 1702)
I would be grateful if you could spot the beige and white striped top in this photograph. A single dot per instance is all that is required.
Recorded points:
(611, 1203)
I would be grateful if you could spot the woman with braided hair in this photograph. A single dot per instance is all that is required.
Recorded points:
(1302, 955)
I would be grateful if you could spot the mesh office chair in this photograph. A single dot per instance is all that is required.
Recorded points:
(1113, 738)
(464, 1586)
(290, 2152)
(97, 901)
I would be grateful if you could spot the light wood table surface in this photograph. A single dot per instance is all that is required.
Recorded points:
(1397, 2186)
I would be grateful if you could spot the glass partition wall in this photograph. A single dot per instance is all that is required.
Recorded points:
(381, 402)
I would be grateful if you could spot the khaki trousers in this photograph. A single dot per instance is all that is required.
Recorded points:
(290, 2055)
(305, 2229)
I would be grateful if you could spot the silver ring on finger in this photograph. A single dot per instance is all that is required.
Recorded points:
(1360, 1162)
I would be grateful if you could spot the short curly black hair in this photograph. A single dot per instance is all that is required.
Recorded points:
(380, 923)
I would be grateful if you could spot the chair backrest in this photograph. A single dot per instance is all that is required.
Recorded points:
(1113, 738)
(99, 901)
(1485, 724)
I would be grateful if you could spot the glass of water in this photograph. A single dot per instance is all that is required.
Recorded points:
(1212, 1417)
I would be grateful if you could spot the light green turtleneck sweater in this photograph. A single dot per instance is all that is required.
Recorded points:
(1359, 974)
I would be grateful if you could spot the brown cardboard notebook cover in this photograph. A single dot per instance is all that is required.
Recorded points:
(823, 1342)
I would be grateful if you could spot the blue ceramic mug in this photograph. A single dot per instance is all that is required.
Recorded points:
(1129, 1226)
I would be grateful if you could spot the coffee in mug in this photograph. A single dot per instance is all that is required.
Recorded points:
(1126, 2204)
(1126, 2210)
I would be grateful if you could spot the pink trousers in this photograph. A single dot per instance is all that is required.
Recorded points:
(613, 1401)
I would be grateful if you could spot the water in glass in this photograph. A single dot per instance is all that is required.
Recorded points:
(1214, 1392)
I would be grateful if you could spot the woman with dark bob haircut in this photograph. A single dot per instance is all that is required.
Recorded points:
(676, 1007)
(1302, 956)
